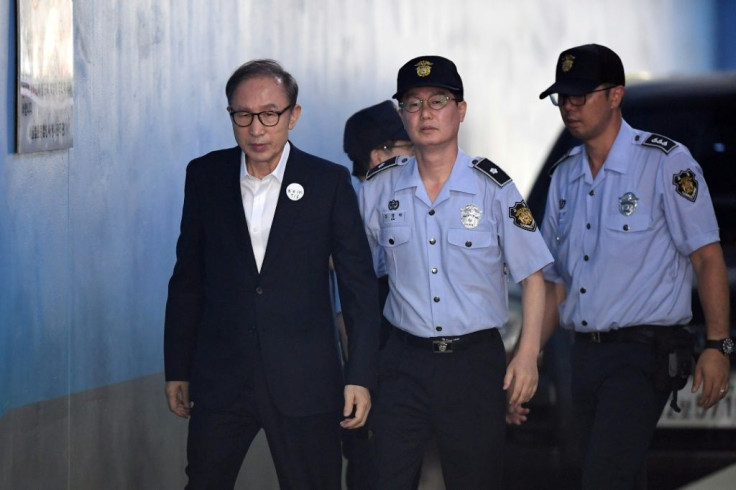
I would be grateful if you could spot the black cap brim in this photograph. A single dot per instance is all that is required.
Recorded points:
(570, 87)
(453, 88)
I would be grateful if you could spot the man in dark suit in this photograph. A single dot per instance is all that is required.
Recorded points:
(249, 341)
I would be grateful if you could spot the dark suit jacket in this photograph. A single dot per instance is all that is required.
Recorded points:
(218, 302)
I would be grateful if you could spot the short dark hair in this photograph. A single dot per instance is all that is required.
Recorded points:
(262, 68)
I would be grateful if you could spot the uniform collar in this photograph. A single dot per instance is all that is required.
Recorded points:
(618, 158)
(457, 181)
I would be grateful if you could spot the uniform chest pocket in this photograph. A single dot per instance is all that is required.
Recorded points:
(625, 234)
(628, 224)
(470, 239)
(393, 236)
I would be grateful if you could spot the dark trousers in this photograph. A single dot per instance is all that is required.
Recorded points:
(306, 450)
(617, 408)
(456, 397)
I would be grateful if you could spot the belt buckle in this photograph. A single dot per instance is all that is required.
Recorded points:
(442, 346)
(595, 337)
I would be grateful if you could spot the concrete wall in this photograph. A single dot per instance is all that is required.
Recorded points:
(87, 234)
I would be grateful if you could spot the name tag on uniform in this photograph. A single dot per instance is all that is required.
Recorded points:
(391, 217)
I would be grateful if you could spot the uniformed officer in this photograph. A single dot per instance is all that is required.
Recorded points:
(628, 220)
(372, 135)
(448, 229)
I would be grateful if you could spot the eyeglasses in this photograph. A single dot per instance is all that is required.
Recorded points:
(267, 118)
(436, 102)
(576, 100)
(389, 147)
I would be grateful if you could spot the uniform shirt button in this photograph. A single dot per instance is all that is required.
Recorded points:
(391, 241)
(432, 241)
(591, 193)
(583, 291)
(585, 324)
(434, 270)
(468, 244)
(431, 212)
(259, 290)
(438, 328)
(586, 258)
(436, 299)
(626, 227)
(588, 226)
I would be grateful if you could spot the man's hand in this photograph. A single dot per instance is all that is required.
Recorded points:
(712, 370)
(357, 398)
(177, 394)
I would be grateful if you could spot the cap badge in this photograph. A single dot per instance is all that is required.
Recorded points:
(522, 216)
(627, 203)
(424, 68)
(686, 184)
(295, 191)
(470, 216)
(393, 205)
(567, 61)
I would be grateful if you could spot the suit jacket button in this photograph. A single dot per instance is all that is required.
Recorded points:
(259, 290)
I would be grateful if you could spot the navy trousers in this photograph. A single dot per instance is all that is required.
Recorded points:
(617, 408)
(306, 450)
(456, 397)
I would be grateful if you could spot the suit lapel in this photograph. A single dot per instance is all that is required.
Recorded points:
(287, 211)
(234, 212)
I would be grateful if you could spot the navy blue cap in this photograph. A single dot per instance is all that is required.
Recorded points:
(582, 68)
(367, 129)
(428, 71)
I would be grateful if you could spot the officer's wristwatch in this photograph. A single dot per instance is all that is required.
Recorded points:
(725, 346)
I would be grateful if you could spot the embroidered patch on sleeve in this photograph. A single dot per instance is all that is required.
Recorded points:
(686, 184)
(522, 216)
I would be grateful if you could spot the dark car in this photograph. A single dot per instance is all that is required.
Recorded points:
(699, 112)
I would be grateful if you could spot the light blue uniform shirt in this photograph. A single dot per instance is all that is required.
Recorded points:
(621, 241)
(447, 260)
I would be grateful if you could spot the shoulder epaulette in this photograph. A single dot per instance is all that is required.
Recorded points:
(492, 170)
(564, 157)
(658, 141)
(391, 162)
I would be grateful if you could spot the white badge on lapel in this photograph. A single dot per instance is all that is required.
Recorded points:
(295, 191)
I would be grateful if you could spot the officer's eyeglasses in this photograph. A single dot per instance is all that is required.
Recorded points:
(267, 118)
(576, 100)
(436, 102)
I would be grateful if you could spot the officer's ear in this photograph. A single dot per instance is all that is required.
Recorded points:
(616, 95)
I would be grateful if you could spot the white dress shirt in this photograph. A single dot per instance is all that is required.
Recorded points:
(259, 202)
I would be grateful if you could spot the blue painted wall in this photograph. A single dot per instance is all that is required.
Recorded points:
(87, 234)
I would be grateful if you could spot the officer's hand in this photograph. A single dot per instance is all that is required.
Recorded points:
(712, 370)
(520, 382)
(177, 394)
(358, 399)
(516, 414)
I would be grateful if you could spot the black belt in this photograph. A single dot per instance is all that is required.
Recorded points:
(446, 345)
(641, 334)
